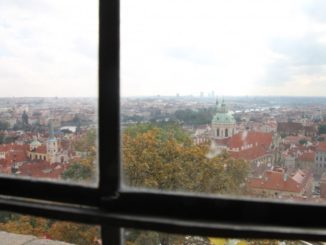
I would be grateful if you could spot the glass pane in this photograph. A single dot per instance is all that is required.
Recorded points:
(24, 229)
(225, 97)
(140, 237)
(48, 98)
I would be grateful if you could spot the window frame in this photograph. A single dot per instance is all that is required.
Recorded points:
(114, 206)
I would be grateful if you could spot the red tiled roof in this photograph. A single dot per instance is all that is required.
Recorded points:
(251, 137)
(249, 154)
(9, 147)
(288, 126)
(41, 149)
(13, 153)
(279, 181)
(321, 146)
(42, 169)
(307, 156)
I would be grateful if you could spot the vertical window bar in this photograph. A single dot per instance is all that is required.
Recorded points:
(111, 235)
(109, 99)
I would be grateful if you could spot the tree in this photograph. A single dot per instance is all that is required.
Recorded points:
(87, 142)
(155, 158)
(78, 172)
(322, 129)
(23, 224)
(57, 230)
(74, 233)
(4, 125)
(195, 117)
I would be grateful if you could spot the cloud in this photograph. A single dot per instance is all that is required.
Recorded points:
(49, 48)
(302, 51)
(316, 10)
(295, 59)
(193, 55)
(31, 5)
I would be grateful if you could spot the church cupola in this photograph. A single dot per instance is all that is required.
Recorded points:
(223, 122)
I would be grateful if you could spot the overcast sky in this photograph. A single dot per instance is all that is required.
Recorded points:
(232, 47)
(48, 47)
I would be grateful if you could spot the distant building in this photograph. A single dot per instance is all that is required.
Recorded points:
(255, 147)
(25, 119)
(320, 159)
(290, 128)
(223, 122)
(323, 186)
(50, 152)
(278, 183)
(296, 128)
(306, 160)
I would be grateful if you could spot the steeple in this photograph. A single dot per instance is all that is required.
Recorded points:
(223, 107)
(52, 145)
(51, 131)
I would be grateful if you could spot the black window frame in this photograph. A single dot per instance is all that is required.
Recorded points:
(113, 206)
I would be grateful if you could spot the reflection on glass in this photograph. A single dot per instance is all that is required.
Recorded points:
(24, 229)
(139, 237)
(225, 97)
(48, 98)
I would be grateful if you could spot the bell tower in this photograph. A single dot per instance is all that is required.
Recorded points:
(52, 145)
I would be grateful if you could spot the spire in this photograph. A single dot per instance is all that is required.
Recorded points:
(223, 106)
(51, 133)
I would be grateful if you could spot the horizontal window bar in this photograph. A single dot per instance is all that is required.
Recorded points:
(167, 222)
(50, 191)
(219, 209)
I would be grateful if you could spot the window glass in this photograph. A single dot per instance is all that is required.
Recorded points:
(48, 98)
(224, 97)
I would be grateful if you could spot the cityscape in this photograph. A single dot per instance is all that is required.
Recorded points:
(217, 98)
(281, 139)
(49, 138)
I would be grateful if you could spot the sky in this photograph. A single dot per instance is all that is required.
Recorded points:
(168, 47)
(231, 47)
(48, 48)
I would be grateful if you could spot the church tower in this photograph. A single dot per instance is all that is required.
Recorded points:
(52, 146)
(223, 122)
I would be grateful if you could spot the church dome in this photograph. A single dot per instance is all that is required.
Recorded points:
(223, 118)
(35, 143)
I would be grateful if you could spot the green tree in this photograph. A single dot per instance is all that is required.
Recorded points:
(78, 172)
(195, 117)
(322, 129)
(4, 125)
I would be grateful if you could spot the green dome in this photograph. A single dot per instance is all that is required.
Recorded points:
(35, 143)
(223, 118)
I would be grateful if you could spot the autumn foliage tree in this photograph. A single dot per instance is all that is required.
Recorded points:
(165, 158)
(83, 169)
(55, 230)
